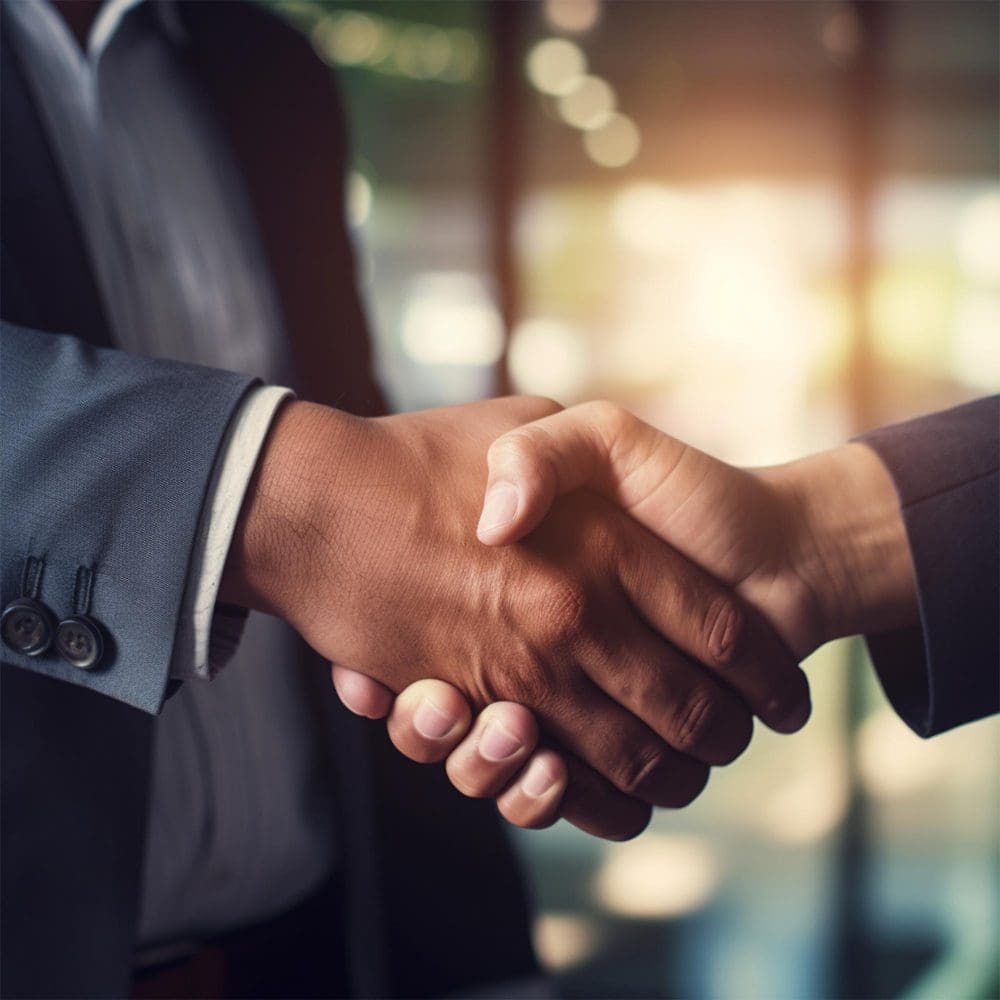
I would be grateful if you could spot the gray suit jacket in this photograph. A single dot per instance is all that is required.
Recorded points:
(106, 458)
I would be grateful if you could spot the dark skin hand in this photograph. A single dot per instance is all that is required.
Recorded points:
(818, 546)
(361, 534)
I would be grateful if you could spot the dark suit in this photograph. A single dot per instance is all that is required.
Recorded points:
(106, 458)
(945, 467)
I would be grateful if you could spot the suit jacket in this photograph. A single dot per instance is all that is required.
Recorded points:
(106, 458)
(945, 468)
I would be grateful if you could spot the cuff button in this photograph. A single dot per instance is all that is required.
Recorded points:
(27, 626)
(79, 642)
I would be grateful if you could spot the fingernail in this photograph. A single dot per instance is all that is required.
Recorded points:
(537, 780)
(795, 719)
(497, 743)
(431, 722)
(500, 506)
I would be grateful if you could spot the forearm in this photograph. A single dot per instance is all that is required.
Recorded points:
(848, 541)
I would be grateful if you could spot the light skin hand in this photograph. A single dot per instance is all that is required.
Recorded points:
(533, 786)
(360, 533)
(817, 546)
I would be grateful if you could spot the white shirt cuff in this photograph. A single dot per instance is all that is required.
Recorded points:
(207, 635)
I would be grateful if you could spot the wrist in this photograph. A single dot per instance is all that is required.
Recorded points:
(848, 542)
(283, 522)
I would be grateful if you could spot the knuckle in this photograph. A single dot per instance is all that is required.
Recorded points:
(513, 446)
(540, 406)
(725, 631)
(611, 417)
(564, 613)
(523, 684)
(605, 536)
(526, 408)
(697, 722)
(634, 771)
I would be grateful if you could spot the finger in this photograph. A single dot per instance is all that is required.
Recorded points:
(502, 739)
(555, 785)
(619, 746)
(597, 445)
(360, 694)
(717, 629)
(679, 701)
(428, 721)
(532, 800)
(594, 805)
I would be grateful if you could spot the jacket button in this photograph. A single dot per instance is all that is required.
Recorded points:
(27, 626)
(79, 642)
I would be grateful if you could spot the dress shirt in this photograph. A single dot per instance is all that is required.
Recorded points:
(240, 819)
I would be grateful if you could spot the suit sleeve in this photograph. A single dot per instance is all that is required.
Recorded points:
(946, 671)
(106, 461)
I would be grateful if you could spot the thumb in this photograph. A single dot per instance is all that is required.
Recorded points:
(593, 445)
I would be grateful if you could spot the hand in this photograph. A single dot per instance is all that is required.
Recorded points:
(360, 534)
(817, 546)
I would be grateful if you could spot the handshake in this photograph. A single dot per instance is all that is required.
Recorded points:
(624, 609)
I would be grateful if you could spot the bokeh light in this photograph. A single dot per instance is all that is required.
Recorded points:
(350, 38)
(549, 358)
(450, 319)
(894, 762)
(808, 807)
(554, 65)
(359, 198)
(394, 47)
(654, 219)
(658, 875)
(572, 15)
(563, 940)
(588, 104)
(977, 239)
(614, 143)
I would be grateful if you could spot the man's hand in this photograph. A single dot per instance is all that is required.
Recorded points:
(360, 533)
(817, 546)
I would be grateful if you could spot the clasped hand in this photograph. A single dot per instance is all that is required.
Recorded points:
(609, 621)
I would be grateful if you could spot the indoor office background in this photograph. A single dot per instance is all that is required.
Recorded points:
(763, 227)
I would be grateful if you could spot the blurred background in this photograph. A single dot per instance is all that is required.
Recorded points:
(763, 227)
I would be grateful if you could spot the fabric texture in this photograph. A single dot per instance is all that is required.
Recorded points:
(77, 424)
(946, 672)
